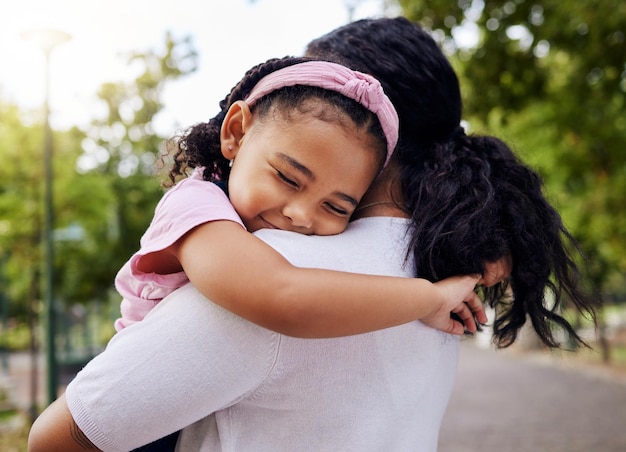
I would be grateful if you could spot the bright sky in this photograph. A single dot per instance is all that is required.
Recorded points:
(230, 35)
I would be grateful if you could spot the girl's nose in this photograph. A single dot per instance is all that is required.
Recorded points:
(300, 215)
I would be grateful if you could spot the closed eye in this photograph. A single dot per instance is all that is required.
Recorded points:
(285, 179)
(337, 210)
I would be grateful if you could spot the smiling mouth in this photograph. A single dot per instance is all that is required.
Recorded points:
(267, 224)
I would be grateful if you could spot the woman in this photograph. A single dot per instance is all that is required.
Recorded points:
(236, 386)
(425, 92)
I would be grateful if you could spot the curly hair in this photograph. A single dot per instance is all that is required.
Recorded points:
(470, 199)
(199, 145)
(476, 202)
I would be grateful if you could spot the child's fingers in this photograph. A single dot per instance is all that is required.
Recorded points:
(465, 315)
(477, 307)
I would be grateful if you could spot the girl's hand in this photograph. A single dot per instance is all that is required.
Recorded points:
(497, 271)
(458, 297)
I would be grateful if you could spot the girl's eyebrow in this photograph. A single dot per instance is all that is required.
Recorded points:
(296, 165)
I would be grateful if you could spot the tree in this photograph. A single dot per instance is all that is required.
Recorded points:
(105, 188)
(20, 206)
(550, 77)
(123, 145)
(21, 210)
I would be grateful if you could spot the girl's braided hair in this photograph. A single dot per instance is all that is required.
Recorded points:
(199, 145)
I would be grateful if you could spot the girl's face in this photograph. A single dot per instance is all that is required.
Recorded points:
(303, 174)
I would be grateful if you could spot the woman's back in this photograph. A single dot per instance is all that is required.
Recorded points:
(385, 390)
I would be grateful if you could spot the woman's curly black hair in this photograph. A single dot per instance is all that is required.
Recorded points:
(199, 145)
(475, 201)
(470, 199)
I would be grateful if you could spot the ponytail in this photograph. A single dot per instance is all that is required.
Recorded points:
(471, 201)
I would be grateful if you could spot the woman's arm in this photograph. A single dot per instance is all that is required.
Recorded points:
(244, 275)
(55, 430)
(187, 359)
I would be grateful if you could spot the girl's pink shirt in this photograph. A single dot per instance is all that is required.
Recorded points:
(190, 203)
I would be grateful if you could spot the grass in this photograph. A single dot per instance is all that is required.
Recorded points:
(7, 415)
(13, 439)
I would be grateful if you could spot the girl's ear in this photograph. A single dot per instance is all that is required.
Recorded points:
(234, 127)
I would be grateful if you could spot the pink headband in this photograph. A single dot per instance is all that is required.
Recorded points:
(357, 86)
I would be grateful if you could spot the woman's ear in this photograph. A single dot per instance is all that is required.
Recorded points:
(234, 127)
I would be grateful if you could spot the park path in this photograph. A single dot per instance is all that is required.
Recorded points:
(507, 401)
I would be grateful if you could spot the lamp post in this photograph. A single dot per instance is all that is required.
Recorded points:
(350, 7)
(46, 41)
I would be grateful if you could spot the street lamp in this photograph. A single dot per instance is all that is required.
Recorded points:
(350, 7)
(46, 41)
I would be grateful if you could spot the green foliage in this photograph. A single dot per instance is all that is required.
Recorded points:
(105, 188)
(126, 138)
(20, 202)
(550, 78)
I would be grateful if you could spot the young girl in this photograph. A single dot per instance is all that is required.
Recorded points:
(298, 143)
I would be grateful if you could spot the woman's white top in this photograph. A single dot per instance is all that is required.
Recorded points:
(238, 387)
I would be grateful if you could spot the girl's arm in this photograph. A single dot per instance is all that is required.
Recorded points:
(244, 275)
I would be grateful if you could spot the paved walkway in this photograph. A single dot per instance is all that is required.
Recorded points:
(505, 401)
(23, 394)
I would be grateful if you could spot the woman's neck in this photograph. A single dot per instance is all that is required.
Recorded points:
(383, 199)
(379, 209)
